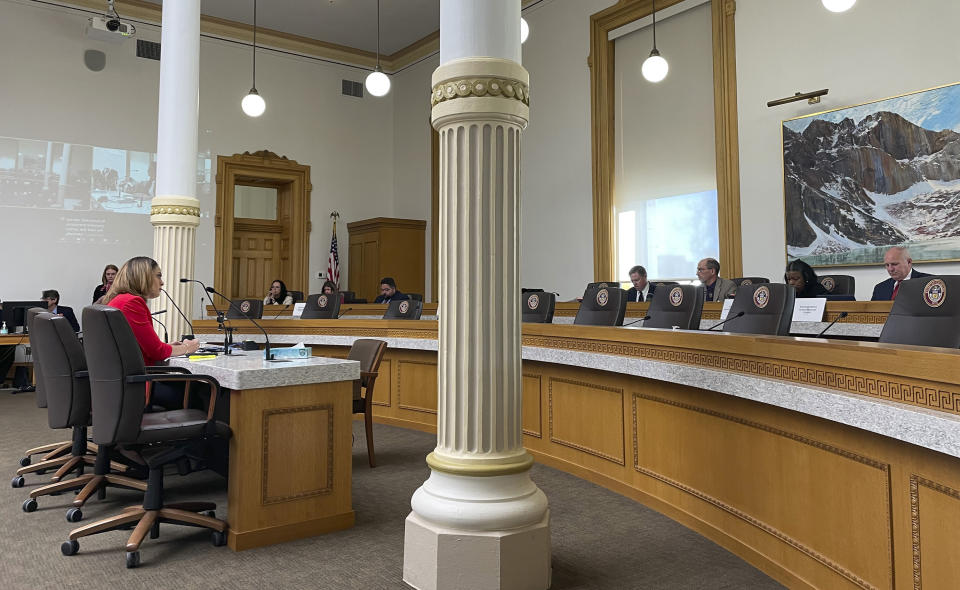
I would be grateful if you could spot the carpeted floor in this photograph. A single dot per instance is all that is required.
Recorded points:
(601, 540)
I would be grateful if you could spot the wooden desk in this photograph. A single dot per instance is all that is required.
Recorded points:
(290, 454)
(826, 464)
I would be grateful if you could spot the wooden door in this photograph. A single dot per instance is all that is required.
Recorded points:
(257, 259)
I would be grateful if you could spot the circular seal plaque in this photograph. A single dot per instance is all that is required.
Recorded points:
(404, 307)
(761, 297)
(935, 293)
(245, 306)
(322, 301)
(676, 296)
(745, 282)
(828, 283)
(603, 297)
(533, 302)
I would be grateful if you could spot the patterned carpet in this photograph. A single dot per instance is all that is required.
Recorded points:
(601, 540)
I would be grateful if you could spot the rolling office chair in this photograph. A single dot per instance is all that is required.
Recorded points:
(369, 353)
(417, 296)
(245, 308)
(926, 312)
(118, 381)
(839, 284)
(603, 285)
(64, 374)
(680, 305)
(767, 309)
(602, 307)
(743, 281)
(664, 283)
(537, 307)
(321, 307)
(297, 296)
(406, 309)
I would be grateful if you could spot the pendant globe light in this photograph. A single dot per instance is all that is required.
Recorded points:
(838, 5)
(253, 104)
(655, 68)
(378, 83)
(524, 30)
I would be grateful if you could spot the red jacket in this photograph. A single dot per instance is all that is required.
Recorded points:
(135, 309)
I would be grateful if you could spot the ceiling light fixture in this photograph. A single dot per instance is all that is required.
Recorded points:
(838, 5)
(378, 83)
(654, 68)
(524, 30)
(253, 104)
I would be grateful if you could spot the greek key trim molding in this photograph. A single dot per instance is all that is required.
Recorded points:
(477, 87)
(175, 210)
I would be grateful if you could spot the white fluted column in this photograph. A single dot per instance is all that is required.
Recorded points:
(479, 521)
(175, 209)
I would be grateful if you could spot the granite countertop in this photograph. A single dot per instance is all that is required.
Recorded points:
(249, 370)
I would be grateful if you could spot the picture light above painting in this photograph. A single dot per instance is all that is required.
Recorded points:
(860, 179)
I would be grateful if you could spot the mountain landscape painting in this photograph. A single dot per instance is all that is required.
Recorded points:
(860, 179)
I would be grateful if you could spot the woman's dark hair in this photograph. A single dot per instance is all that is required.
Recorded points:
(330, 284)
(283, 290)
(809, 276)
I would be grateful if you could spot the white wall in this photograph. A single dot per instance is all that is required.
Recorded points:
(48, 94)
(879, 48)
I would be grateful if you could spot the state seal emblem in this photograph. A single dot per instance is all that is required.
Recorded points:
(828, 283)
(761, 297)
(322, 301)
(676, 296)
(935, 293)
(404, 307)
(603, 297)
(533, 302)
(745, 282)
(245, 307)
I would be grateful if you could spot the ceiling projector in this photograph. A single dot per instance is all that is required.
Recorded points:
(108, 28)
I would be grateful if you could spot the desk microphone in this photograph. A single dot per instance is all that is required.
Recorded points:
(343, 311)
(726, 320)
(266, 346)
(842, 315)
(180, 311)
(166, 337)
(162, 311)
(221, 318)
(637, 321)
(281, 311)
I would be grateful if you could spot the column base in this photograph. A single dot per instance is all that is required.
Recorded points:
(439, 558)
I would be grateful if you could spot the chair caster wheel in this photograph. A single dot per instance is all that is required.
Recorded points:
(74, 515)
(29, 505)
(218, 539)
(210, 513)
(133, 559)
(25, 461)
(70, 547)
(17, 482)
(41, 471)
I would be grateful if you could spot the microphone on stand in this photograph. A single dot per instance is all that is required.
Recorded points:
(281, 311)
(162, 311)
(343, 311)
(180, 311)
(717, 325)
(166, 337)
(637, 321)
(221, 318)
(842, 315)
(266, 346)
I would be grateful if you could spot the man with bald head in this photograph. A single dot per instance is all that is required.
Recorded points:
(899, 266)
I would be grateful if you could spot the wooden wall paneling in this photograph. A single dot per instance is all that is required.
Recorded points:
(417, 386)
(588, 417)
(532, 417)
(934, 522)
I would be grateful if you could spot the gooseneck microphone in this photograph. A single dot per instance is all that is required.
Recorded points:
(842, 315)
(221, 318)
(644, 318)
(161, 312)
(343, 311)
(266, 346)
(166, 336)
(717, 325)
(177, 307)
(281, 311)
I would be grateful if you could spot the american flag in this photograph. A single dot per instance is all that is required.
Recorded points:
(333, 261)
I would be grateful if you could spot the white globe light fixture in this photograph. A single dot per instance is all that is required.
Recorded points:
(253, 104)
(654, 68)
(377, 83)
(838, 5)
(524, 30)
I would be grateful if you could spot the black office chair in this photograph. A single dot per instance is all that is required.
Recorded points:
(321, 307)
(926, 312)
(118, 381)
(417, 296)
(664, 283)
(602, 307)
(680, 305)
(603, 285)
(369, 353)
(743, 281)
(537, 307)
(405, 309)
(245, 309)
(839, 284)
(767, 309)
(63, 372)
(297, 296)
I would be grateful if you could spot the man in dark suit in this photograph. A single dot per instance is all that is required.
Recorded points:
(52, 297)
(641, 289)
(389, 292)
(899, 266)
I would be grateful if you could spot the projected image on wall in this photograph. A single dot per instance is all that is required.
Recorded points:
(72, 177)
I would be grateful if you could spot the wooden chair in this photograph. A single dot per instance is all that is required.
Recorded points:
(369, 352)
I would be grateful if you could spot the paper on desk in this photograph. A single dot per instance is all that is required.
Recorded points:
(809, 309)
(727, 304)
(298, 309)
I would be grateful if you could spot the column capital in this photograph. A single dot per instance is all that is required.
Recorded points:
(480, 85)
(175, 210)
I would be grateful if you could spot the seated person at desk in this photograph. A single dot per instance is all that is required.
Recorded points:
(278, 294)
(801, 276)
(716, 288)
(389, 292)
(899, 266)
(329, 288)
(106, 281)
(641, 289)
(52, 297)
(140, 279)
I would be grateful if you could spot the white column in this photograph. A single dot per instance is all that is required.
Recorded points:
(479, 521)
(175, 210)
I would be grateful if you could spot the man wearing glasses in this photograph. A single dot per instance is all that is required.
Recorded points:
(716, 288)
